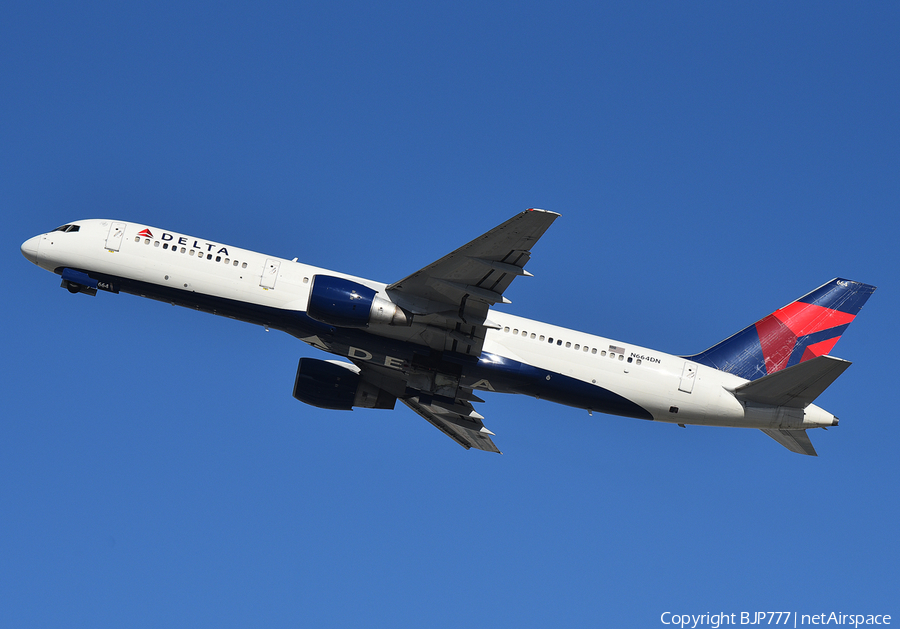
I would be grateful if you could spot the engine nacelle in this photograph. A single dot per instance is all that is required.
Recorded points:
(337, 386)
(346, 304)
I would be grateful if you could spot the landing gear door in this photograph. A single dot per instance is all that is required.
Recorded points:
(114, 239)
(270, 273)
(687, 377)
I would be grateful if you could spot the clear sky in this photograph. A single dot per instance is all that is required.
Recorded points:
(711, 162)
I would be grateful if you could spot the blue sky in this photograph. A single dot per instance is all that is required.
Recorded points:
(711, 162)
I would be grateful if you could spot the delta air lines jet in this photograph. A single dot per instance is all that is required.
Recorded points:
(434, 340)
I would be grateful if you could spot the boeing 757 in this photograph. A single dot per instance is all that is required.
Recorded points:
(435, 339)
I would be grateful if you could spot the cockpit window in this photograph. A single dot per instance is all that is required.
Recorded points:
(67, 228)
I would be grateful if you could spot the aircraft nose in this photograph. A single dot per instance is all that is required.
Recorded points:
(30, 249)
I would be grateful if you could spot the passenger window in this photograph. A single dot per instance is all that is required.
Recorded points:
(603, 353)
(235, 263)
(559, 342)
(191, 252)
(218, 258)
(585, 348)
(550, 340)
(306, 280)
(637, 362)
(568, 344)
(541, 339)
(621, 356)
(165, 245)
(630, 359)
(209, 256)
(577, 346)
(146, 241)
(524, 333)
(244, 265)
(516, 331)
(137, 238)
(182, 250)
(594, 351)
(532, 335)
(156, 243)
(506, 329)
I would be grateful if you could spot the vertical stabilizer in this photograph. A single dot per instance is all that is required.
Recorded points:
(803, 329)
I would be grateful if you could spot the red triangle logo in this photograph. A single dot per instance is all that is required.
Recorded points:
(145, 233)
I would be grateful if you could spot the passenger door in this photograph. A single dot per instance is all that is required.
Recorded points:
(688, 375)
(270, 273)
(114, 239)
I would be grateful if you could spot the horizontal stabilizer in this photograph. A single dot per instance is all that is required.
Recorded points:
(794, 440)
(795, 387)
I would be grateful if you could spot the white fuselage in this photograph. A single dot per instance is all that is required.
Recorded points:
(522, 355)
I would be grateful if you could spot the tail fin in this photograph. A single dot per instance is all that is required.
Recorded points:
(804, 329)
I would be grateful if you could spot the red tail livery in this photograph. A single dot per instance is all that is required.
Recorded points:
(804, 329)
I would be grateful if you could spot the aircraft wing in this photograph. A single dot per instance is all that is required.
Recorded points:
(455, 292)
(461, 423)
(450, 298)
(436, 397)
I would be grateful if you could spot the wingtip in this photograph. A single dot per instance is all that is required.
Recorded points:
(535, 209)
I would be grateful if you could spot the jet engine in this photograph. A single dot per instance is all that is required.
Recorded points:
(337, 385)
(346, 304)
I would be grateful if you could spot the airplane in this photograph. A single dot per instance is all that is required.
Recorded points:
(434, 340)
